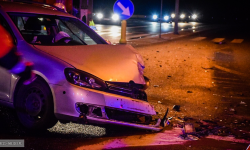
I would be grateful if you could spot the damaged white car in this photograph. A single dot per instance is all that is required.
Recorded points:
(79, 77)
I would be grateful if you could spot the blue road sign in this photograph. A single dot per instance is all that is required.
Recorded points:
(124, 8)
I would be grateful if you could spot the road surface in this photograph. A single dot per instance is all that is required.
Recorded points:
(143, 29)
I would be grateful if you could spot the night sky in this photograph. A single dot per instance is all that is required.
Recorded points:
(227, 8)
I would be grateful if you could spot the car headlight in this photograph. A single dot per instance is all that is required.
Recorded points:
(182, 16)
(99, 16)
(84, 79)
(172, 15)
(194, 16)
(115, 17)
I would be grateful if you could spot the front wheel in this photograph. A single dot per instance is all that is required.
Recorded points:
(34, 104)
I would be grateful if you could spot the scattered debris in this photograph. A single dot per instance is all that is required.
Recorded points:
(241, 94)
(179, 120)
(169, 76)
(231, 109)
(189, 137)
(159, 102)
(242, 103)
(176, 107)
(188, 128)
(156, 85)
(157, 51)
(208, 68)
(192, 137)
(160, 65)
(189, 92)
(202, 128)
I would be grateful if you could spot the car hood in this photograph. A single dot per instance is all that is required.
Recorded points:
(117, 63)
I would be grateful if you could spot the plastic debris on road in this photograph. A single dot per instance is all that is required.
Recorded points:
(176, 107)
(242, 103)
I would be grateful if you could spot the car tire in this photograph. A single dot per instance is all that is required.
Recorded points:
(34, 105)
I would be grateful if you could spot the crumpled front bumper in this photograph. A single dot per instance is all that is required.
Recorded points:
(95, 104)
(155, 127)
(92, 117)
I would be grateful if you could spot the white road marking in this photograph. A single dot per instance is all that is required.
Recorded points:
(139, 35)
(137, 27)
(238, 41)
(218, 40)
(198, 38)
(110, 29)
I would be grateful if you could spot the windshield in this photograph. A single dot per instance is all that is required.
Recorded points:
(54, 30)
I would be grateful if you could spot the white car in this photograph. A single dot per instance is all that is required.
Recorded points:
(79, 77)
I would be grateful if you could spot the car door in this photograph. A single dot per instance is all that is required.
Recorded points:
(5, 76)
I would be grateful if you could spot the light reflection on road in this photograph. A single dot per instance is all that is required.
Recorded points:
(148, 29)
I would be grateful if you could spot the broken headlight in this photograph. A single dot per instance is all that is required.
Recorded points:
(84, 79)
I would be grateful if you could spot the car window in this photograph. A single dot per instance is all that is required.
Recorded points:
(72, 29)
(54, 30)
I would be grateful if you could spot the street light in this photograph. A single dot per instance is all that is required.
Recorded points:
(160, 20)
(166, 17)
(172, 15)
(176, 18)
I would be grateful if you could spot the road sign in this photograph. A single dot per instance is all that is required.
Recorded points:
(124, 8)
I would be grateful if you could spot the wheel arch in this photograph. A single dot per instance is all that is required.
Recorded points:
(38, 75)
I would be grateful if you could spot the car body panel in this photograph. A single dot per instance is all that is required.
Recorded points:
(74, 94)
(4, 84)
(36, 8)
(114, 122)
(119, 62)
(129, 104)
(51, 67)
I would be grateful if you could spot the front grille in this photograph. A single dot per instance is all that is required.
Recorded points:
(125, 116)
(125, 89)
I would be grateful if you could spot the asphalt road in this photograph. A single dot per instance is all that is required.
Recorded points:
(206, 73)
(143, 29)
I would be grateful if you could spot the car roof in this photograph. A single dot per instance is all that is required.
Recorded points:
(35, 8)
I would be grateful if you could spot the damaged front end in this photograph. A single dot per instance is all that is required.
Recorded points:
(115, 97)
(133, 111)
(90, 114)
